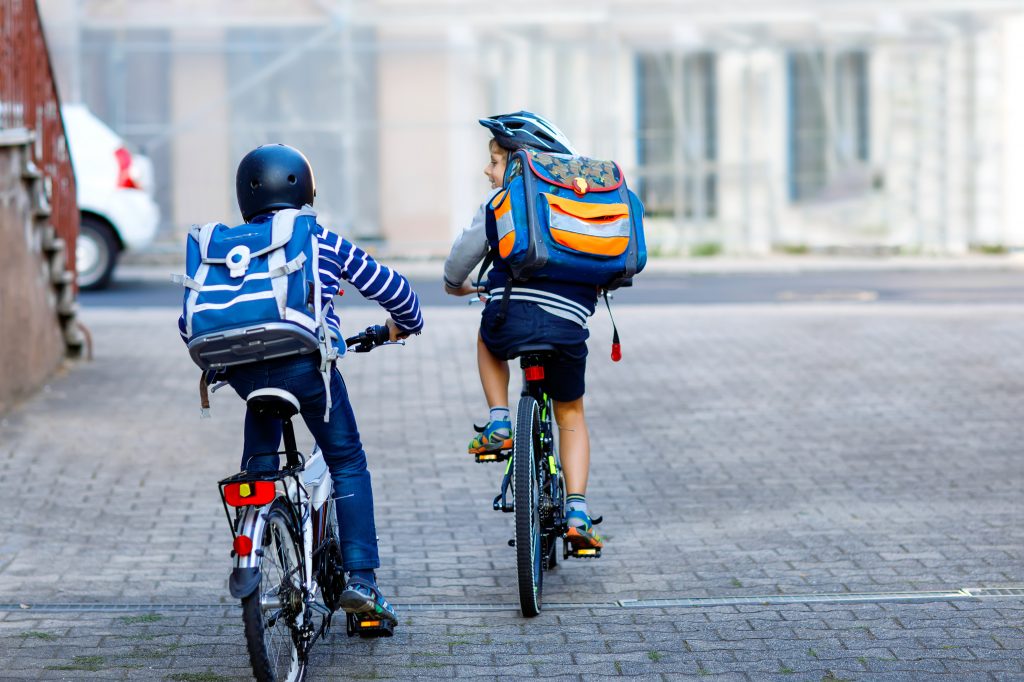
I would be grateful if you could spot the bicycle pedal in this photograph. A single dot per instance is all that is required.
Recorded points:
(369, 627)
(585, 553)
(569, 550)
(482, 457)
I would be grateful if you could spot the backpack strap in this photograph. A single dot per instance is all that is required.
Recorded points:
(185, 281)
(499, 319)
(616, 346)
(288, 268)
(202, 235)
(484, 264)
(328, 351)
(282, 228)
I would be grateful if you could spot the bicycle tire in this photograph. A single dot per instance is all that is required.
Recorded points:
(280, 573)
(527, 511)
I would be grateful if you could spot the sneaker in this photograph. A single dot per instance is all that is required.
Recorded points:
(494, 437)
(581, 533)
(363, 598)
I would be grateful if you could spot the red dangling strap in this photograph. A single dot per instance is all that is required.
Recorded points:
(616, 346)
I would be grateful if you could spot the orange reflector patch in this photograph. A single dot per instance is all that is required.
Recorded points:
(249, 494)
(585, 243)
(506, 243)
(369, 623)
(487, 457)
(243, 545)
(586, 551)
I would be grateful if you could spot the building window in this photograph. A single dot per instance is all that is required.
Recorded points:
(828, 130)
(677, 138)
(302, 102)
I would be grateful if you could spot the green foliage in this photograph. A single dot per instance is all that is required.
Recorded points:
(89, 663)
(705, 249)
(145, 618)
(36, 634)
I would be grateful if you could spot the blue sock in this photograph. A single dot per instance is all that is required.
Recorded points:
(500, 414)
(364, 574)
(576, 503)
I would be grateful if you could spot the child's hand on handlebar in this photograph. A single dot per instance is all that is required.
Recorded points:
(466, 289)
(396, 334)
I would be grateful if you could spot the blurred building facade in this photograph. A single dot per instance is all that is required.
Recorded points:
(745, 127)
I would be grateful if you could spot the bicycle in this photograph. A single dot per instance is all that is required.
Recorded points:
(534, 474)
(287, 558)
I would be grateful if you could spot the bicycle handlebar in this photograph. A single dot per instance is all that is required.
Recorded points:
(370, 338)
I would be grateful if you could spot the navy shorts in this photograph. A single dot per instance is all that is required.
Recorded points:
(527, 323)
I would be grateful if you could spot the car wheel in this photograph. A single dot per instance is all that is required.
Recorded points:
(96, 253)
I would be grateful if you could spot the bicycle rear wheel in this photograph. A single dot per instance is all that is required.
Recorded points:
(525, 449)
(272, 614)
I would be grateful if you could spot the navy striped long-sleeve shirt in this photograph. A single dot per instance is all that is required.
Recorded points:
(340, 260)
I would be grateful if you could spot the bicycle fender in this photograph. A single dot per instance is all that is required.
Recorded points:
(243, 582)
(252, 523)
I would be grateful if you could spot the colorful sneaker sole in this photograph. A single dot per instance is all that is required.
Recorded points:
(581, 539)
(358, 604)
(490, 448)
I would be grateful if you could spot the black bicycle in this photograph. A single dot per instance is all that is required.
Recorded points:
(287, 558)
(534, 475)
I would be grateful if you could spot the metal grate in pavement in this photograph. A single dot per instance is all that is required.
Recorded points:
(1013, 591)
(996, 591)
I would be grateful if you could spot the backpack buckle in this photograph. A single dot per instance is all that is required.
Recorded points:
(237, 260)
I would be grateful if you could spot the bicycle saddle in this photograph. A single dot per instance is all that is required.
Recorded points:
(532, 349)
(273, 402)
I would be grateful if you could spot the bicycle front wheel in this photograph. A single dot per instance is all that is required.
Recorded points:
(273, 613)
(525, 449)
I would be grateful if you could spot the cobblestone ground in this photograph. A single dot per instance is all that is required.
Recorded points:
(738, 451)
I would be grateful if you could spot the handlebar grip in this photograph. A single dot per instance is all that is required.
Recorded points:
(381, 334)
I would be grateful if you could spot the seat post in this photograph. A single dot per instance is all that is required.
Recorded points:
(290, 448)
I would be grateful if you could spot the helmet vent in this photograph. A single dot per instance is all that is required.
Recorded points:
(291, 179)
(254, 183)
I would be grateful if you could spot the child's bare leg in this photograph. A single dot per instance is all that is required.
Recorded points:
(573, 445)
(493, 375)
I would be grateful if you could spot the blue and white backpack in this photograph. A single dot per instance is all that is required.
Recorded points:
(253, 293)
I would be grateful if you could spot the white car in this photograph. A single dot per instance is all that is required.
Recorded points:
(115, 196)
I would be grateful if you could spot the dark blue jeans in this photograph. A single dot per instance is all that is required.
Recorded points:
(337, 438)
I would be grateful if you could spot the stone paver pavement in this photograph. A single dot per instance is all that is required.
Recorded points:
(739, 451)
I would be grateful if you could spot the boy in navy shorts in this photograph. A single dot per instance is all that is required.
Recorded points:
(541, 311)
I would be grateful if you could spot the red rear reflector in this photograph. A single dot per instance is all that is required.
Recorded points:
(534, 373)
(243, 545)
(124, 165)
(616, 352)
(250, 493)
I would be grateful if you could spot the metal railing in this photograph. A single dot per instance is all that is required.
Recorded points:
(28, 99)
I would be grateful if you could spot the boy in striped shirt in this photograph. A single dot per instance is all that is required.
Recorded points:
(275, 177)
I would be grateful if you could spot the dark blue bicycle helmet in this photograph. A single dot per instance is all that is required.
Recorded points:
(272, 177)
(524, 129)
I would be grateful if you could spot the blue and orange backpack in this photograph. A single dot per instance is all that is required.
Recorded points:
(568, 218)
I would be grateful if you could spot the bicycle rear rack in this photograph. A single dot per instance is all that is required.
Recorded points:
(288, 472)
